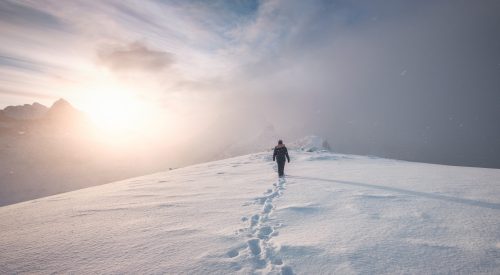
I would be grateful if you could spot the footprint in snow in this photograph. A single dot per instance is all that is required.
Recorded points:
(286, 270)
(267, 208)
(254, 246)
(265, 232)
(261, 250)
(233, 253)
(254, 220)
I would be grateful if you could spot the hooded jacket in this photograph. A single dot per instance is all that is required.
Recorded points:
(280, 152)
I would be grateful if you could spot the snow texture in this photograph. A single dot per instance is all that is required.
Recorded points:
(333, 213)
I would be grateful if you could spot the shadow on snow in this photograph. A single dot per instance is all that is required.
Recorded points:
(489, 205)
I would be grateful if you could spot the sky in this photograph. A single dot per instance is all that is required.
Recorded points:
(414, 80)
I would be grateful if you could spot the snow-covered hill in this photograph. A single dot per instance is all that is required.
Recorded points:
(334, 213)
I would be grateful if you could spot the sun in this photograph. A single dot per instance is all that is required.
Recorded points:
(124, 109)
(117, 110)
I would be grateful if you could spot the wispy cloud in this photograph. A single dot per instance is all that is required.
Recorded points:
(19, 14)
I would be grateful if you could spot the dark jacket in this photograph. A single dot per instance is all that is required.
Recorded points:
(280, 152)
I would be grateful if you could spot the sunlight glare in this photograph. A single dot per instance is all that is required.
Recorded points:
(116, 110)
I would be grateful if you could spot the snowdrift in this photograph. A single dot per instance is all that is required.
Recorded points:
(333, 213)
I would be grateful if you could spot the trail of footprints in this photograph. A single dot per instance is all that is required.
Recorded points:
(259, 249)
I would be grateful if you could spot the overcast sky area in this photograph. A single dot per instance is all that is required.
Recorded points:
(414, 80)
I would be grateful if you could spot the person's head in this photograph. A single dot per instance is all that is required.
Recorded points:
(280, 141)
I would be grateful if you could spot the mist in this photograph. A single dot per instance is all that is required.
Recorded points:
(412, 81)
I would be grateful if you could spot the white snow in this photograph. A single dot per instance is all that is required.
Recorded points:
(310, 144)
(334, 213)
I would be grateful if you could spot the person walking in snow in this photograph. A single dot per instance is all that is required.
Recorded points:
(280, 152)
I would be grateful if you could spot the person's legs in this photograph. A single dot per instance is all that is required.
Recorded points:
(281, 168)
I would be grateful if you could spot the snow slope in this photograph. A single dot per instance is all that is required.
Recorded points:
(334, 213)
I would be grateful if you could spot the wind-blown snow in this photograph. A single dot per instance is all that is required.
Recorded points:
(310, 144)
(334, 213)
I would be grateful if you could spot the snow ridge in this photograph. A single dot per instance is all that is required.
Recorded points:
(337, 214)
(259, 250)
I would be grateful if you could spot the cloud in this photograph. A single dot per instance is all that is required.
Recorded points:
(134, 57)
(16, 13)
(20, 64)
(335, 69)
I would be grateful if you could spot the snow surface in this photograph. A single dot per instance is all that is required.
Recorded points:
(334, 213)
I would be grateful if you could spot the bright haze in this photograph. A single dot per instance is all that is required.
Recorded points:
(412, 80)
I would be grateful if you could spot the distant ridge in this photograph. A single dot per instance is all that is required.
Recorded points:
(60, 109)
(25, 112)
(63, 110)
